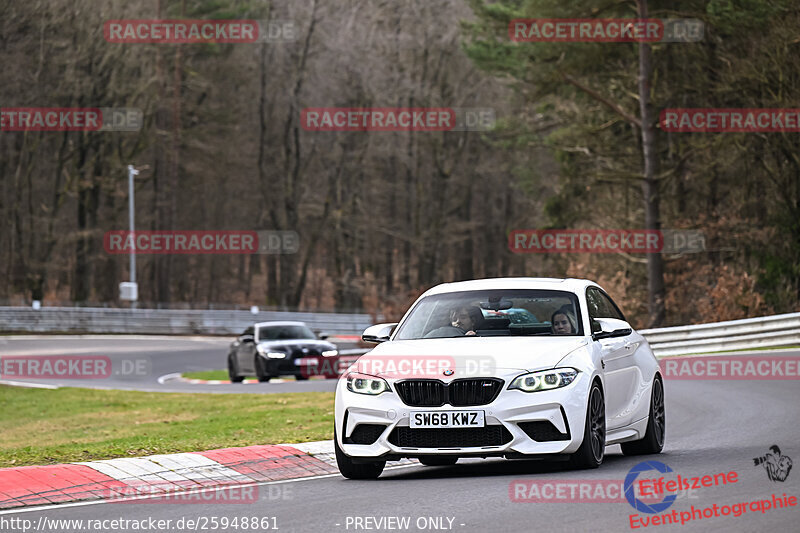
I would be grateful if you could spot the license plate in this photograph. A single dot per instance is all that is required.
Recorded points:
(447, 419)
(305, 361)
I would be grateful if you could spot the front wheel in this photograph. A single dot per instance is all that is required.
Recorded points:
(352, 470)
(261, 372)
(592, 450)
(653, 440)
(233, 373)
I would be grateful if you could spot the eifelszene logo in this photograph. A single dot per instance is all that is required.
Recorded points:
(637, 503)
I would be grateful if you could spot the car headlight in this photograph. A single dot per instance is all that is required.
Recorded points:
(544, 380)
(330, 353)
(364, 384)
(272, 355)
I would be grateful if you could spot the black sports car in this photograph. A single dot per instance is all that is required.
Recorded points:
(271, 349)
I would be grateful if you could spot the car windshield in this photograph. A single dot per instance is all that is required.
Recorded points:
(517, 312)
(278, 333)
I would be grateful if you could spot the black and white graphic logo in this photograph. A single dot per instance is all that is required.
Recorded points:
(777, 466)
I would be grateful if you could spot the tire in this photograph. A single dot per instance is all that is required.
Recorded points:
(438, 460)
(653, 440)
(592, 450)
(261, 373)
(352, 470)
(301, 378)
(233, 372)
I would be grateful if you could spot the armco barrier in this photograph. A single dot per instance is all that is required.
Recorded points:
(166, 321)
(763, 332)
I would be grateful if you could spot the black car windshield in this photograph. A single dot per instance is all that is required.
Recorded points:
(518, 312)
(279, 333)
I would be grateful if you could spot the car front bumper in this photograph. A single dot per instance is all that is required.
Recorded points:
(564, 408)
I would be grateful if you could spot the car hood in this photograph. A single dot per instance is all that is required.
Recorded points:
(468, 355)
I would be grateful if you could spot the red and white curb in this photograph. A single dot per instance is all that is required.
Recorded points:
(124, 478)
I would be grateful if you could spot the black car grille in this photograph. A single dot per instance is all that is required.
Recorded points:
(422, 392)
(406, 437)
(310, 352)
(543, 431)
(365, 434)
(459, 392)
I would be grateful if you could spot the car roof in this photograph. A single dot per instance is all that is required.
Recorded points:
(561, 284)
(280, 323)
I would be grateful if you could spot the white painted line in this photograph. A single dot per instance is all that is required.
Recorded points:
(177, 376)
(28, 385)
(169, 377)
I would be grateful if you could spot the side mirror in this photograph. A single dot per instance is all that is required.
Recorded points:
(605, 328)
(322, 335)
(247, 338)
(378, 333)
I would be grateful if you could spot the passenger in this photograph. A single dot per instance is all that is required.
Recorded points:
(563, 323)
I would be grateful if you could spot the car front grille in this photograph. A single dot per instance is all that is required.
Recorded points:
(406, 437)
(459, 392)
(422, 392)
(298, 352)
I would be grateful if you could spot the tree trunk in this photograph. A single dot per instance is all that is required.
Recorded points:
(655, 263)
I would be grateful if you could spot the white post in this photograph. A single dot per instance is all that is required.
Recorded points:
(131, 173)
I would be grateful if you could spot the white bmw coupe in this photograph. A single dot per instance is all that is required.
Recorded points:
(507, 367)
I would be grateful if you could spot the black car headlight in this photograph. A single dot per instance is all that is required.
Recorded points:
(544, 380)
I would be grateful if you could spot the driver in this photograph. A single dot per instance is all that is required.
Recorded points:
(465, 318)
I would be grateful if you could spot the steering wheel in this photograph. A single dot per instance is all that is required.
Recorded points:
(444, 331)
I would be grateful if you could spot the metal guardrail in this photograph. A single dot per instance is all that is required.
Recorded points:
(166, 321)
(763, 332)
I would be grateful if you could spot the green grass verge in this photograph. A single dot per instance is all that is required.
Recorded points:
(66, 425)
(207, 374)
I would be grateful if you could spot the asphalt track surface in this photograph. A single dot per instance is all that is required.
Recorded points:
(712, 427)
